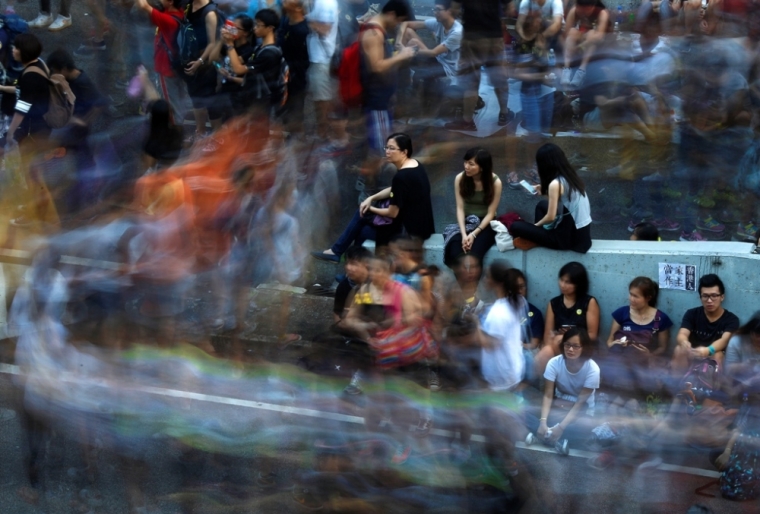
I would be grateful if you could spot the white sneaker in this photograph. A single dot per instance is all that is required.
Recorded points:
(60, 23)
(42, 20)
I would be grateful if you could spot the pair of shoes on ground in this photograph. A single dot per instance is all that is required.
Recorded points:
(53, 24)
(570, 81)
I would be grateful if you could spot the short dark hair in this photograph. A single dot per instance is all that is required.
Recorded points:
(711, 280)
(60, 60)
(446, 4)
(397, 7)
(268, 17)
(403, 141)
(648, 287)
(577, 275)
(587, 345)
(29, 47)
(358, 253)
(646, 231)
(500, 271)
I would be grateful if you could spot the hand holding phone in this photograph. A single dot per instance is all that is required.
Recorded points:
(530, 189)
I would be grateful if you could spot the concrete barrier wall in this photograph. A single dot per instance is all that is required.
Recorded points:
(613, 264)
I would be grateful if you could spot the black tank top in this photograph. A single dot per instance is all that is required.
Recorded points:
(575, 315)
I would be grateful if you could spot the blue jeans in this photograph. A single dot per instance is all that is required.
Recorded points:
(357, 231)
(537, 112)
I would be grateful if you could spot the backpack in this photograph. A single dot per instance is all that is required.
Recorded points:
(278, 93)
(700, 381)
(172, 50)
(62, 99)
(187, 40)
(349, 70)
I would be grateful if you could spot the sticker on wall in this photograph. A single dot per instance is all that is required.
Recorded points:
(678, 276)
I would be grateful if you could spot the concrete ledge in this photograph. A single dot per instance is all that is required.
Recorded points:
(613, 264)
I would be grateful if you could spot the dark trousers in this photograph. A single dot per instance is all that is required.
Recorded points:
(563, 237)
(480, 247)
(63, 11)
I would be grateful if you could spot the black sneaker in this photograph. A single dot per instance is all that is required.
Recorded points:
(90, 48)
(481, 103)
(468, 126)
(505, 118)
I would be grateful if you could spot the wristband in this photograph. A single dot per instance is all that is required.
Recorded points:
(542, 419)
(711, 350)
(200, 60)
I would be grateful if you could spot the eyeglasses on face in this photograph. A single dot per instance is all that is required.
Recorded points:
(713, 296)
(390, 148)
(573, 347)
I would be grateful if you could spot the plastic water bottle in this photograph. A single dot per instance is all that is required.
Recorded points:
(552, 59)
(616, 30)
(619, 15)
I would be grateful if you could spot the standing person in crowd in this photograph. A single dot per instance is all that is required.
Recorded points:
(165, 51)
(90, 103)
(477, 191)
(323, 22)
(435, 69)
(706, 330)
(292, 38)
(229, 83)
(563, 221)
(379, 67)
(259, 94)
(574, 307)
(45, 17)
(586, 28)
(29, 130)
(482, 46)
(408, 207)
(199, 73)
(571, 379)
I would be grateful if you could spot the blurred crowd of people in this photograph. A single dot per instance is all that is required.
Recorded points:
(138, 223)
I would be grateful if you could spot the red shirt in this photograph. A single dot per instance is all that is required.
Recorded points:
(167, 27)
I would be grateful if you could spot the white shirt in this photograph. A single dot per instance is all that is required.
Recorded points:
(452, 40)
(549, 10)
(503, 366)
(321, 49)
(568, 386)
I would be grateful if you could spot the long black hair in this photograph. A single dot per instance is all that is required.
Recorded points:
(500, 273)
(751, 326)
(552, 163)
(482, 158)
(576, 275)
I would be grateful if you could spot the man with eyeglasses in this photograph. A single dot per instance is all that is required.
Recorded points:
(705, 330)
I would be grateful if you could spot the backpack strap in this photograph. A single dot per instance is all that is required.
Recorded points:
(39, 71)
(166, 44)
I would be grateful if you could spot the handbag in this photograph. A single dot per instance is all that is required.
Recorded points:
(402, 346)
(504, 241)
(379, 220)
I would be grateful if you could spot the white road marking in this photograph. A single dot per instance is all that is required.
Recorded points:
(12, 369)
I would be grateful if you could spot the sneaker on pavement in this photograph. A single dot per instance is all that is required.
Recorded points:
(704, 201)
(90, 48)
(42, 20)
(747, 231)
(468, 126)
(60, 23)
(481, 103)
(578, 79)
(710, 224)
(566, 77)
(693, 236)
(355, 387)
(562, 447)
(505, 117)
(667, 225)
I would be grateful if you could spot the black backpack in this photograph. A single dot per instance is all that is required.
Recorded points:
(188, 41)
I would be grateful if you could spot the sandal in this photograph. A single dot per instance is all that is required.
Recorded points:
(287, 340)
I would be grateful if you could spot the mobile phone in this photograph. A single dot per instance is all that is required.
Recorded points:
(218, 65)
(530, 189)
(568, 326)
(230, 27)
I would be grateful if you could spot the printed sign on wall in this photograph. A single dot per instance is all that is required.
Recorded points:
(678, 276)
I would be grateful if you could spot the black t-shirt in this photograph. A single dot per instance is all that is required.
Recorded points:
(263, 68)
(87, 95)
(33, 91)
(705, 333)
(341, 295)
(574, 315)
(292, 40)
(482, 18)
(198, 20)
(244, 52)
(410, 192)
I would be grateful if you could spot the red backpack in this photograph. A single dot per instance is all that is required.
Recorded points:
(349, 70)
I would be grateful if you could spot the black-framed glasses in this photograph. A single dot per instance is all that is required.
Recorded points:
(391, 148)
(713, 296)
(573, 347)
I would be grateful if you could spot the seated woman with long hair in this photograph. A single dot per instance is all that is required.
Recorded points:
(563, 219)
(477, 192)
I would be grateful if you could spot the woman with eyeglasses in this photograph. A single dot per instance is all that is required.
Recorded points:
(404, 207)
(570, 381)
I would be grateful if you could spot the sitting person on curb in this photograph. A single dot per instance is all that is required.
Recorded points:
(743, 354)
(705, 331)
(477, 191)
(563, 220)
(574, 307)
(570, 381)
